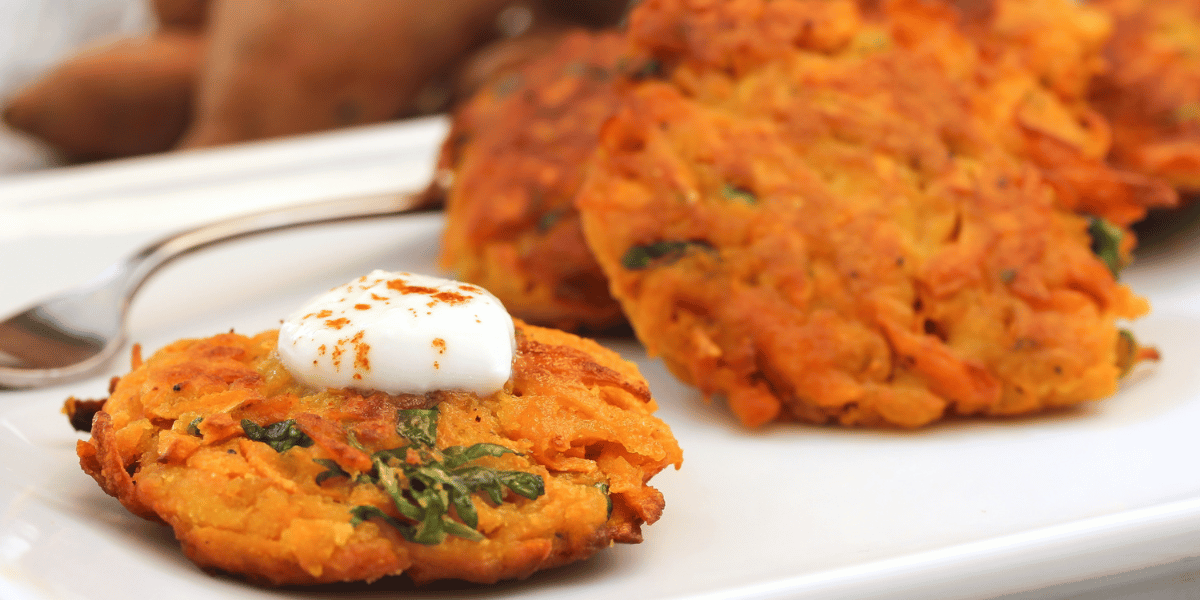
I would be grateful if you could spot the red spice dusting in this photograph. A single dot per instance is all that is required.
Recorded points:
(452, 297)
(466, 287)
(375, 296)
(337, 323)
(402, 286)
(358, 376)
(337, 356)
(443, 296)
(435, 365)
(440, 344)
(362, 306)
(321, 349)
(361, 350)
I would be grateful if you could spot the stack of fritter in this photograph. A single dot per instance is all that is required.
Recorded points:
(263, 477)
(866, 213)
(516, 153)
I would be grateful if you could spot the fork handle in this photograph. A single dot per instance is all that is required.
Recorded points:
(138, 267)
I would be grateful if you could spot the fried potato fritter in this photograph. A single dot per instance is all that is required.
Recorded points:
(180, 440)
(516, 152)
(1031, 67)
(1152, 91)
(819, 223)
(1022, 65)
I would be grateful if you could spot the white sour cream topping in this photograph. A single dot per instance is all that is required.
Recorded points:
(401, 333)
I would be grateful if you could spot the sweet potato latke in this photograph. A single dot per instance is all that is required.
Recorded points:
(518, 149)
(516, 153)
(1028, 73)
(261, 477)
(841, 215)
(1152, 92)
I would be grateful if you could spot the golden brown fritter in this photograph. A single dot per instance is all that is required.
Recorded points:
(816, 216)
(1032, 72)
(1152, 91)
(516, 152)
(1061, 41)
(262, 477)
(1022, 65)
(519, 149)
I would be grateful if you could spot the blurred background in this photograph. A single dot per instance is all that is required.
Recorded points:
(89, 80)
(37, 34)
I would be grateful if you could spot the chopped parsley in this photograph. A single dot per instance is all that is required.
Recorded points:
(1127, 351)
(425, 489)
(548, 220)
(740, 194)
(603, 487)
(281, 436)
(507, 85)
(1106, 243)
(648, 255)
(651, 68)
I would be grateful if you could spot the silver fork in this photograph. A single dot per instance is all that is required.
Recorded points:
(75, 334)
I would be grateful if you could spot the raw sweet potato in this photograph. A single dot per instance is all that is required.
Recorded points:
(180, 14)
(275, 69)
(128, 97)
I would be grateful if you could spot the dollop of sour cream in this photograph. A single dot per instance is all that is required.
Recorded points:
(401, 333)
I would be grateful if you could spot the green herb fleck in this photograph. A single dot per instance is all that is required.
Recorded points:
(507, 85)
(423, 493)
(367, 512)
(643, 257)
(650, 69)
(193, 428)
(280, 436)
(418, 425)
(603, 487)
(1008, 275)
(1106, 243)
(1127, 351)
(332, 469)
(733, 192)
(455, 456)
(549, 220)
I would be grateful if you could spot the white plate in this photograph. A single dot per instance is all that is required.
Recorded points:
(967, 509)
